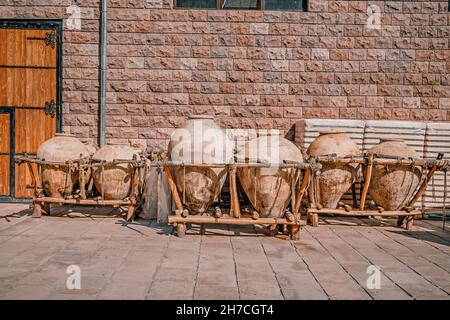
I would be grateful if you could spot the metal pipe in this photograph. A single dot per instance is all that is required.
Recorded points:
(103, 70)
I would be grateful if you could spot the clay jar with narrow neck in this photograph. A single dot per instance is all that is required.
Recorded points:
(393, 186)
(200, 141)
(113, 181)
(334, 178)
(269, 189)
(60, 181)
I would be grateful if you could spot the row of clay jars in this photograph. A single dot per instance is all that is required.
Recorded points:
(391, 187)
(113, 181)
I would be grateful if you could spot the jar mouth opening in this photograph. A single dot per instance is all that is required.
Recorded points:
(332, 131)
(201, 117)
(118, 144)
(64, 134)
(268, 133)
(391, 140)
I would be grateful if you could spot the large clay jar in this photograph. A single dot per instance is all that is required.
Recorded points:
(58, 181)
(269, 189)
(114, 180)
(393, 186)
(334, 178)
(200, 141)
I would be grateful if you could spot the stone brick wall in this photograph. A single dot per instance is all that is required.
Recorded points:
(250, 69)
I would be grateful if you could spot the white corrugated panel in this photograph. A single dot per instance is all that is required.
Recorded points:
(412, 132)
(437, 140)
(308, 129)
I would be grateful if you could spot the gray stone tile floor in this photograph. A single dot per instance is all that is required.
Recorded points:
(144, 260)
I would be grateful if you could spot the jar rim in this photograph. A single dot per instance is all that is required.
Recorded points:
(200, 117)
(64, 134)
(332, 131)
(391, 140)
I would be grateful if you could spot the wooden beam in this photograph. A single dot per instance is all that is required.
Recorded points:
(368, 178)
(364, 213)
(233, 221)
(235, 207)
(304, 185)
(173, 189)
(88, 202)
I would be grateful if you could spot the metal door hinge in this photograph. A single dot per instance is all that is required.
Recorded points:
(50, 39)
(50, 108)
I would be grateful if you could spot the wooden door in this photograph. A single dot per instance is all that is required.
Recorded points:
(28, 91)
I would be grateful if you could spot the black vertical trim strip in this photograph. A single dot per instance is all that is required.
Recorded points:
(12, 153)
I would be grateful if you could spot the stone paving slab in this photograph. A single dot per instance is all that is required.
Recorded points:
(143, 260)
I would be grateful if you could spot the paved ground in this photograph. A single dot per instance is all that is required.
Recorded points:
(138, 261)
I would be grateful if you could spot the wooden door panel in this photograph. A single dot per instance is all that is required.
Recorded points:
(5, 130)
(22, 181)
(32, 128)
(27, 87)
(4, 175)
(26, 48)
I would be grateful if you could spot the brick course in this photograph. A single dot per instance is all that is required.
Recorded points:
(250, 69)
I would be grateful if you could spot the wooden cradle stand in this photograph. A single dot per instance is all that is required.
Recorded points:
(290, 224)
(367, 162)
(84, 195)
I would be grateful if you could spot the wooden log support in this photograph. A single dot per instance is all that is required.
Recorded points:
(409, 222)
(37, 209)
(87, 202)
(181, 230)
(131, 212)
(235, 207)
(364, 213)
(81, 178)
(368, 178)
(304, 185)
(173, 189)
(423, 187)
(231, 220)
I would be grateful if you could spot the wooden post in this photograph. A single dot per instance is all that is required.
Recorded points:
(304, 185)
(314, 193)
(235, 207)
(423, 186)
(173, 189)
(368, 178)
(158, 194)
(81, 175)
(37, 209)
(409, 222)
(131, 211)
